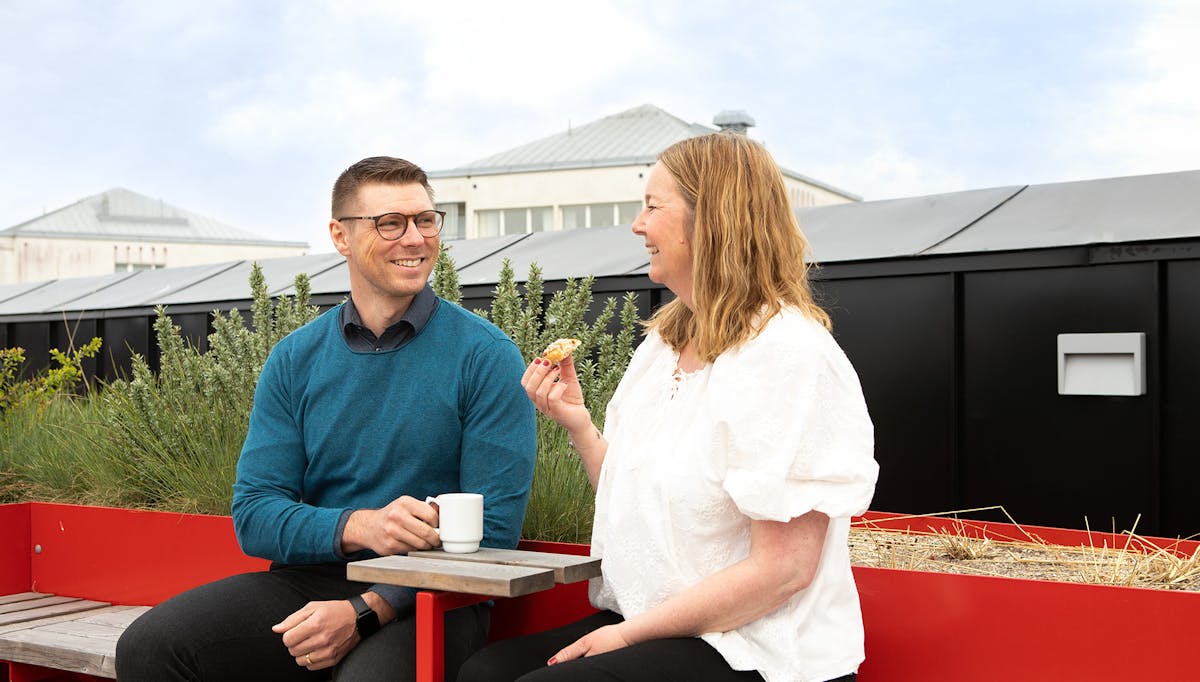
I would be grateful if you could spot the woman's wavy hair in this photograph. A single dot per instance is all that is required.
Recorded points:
(748, 253)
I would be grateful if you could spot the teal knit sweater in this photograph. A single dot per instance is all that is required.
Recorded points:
(333, 430)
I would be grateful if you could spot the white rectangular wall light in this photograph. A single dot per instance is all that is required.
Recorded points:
(1102, 364)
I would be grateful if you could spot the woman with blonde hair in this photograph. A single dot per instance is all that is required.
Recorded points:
(735, 451)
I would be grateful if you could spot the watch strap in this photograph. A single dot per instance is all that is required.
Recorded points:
(366, 621)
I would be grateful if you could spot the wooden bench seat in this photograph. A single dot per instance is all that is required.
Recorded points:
(64, 633)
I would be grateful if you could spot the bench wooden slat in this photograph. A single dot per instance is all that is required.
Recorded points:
(112, 615)
(455, 576)
(64, 651)
(116, 616)
(567, 568)
(72, 606)
(28, 604)
(22, 596)
(84, 642)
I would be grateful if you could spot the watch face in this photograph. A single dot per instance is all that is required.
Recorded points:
(367, 622)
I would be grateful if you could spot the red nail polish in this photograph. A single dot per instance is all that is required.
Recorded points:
(552, 661)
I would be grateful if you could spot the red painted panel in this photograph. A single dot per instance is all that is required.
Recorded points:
(555, 547)
(22, 672)
(543, 610)
(540, 611)
(919, 625)
(127, 556)
(935, 626)
(14, 548)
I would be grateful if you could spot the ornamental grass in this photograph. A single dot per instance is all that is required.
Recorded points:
(169, 439)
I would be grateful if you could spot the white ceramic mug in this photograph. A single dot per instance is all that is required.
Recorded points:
(460, 521)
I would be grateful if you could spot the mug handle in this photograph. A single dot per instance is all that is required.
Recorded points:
(433, 501)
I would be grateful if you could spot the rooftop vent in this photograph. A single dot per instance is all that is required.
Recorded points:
(733, 120)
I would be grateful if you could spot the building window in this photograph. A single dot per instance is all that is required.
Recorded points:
(455, 224)
(802, 197)
(574, 216)
(627, 212)
(133, 267)
(513, 221)
(600, 215)
(487, 223)
(541, 218)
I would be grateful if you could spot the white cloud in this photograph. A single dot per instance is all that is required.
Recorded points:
(531, 54)
(888, 173)
(1149, 125)
(201, 105)
(330, 108)
(439, 83)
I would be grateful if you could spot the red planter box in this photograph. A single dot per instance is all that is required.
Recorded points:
(934, 626)
(919, 625)
(123, 556)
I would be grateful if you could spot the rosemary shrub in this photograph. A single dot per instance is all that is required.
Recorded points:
(174, 435)
(561, 503)
(170, 439)
(165, 440)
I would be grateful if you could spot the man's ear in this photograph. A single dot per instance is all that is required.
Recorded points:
(340, 237)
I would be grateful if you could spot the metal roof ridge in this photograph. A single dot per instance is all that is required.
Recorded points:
(641, 111)
(964, 228)
(332, 265)
(823, 185)
(634, 270)
(227, 268)
(14, 229)
(43, 284)
(62, 305)
(257, 241)
(498, 249)
(195, 223)
(544, 166)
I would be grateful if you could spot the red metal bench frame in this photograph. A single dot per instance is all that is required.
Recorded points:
(919, 625)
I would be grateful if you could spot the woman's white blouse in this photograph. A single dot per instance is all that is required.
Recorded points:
(770, 430)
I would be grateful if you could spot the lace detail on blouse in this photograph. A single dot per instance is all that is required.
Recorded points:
(679, 379)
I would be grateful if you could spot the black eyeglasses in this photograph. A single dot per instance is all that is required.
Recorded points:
(392, 226)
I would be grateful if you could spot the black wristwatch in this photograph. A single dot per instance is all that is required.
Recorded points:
(367, 621)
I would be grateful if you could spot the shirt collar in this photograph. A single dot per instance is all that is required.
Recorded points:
(416, 317)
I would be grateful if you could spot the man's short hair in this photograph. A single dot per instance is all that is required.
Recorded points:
(387, 170)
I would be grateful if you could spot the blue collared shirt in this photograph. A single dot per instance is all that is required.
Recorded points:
(363, 340)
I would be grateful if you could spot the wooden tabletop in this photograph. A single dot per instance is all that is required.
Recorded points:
(492, 572)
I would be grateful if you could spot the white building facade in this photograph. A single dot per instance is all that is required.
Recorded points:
(122, 231)
(590, 176)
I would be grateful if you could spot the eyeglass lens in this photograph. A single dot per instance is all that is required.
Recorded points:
(393, 225)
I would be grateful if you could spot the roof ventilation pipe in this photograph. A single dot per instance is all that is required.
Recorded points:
(733, 120)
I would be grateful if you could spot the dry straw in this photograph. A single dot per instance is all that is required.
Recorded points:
(973, 549)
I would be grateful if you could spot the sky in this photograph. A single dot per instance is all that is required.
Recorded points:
(247, 110)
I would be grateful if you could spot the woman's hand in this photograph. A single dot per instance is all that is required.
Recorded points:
(598, 641)
(556, 393)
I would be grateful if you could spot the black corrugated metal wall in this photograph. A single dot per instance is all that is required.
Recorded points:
(957, 358)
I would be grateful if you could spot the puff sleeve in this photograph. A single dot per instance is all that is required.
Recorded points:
(793, 424)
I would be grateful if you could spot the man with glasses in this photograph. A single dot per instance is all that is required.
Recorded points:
(391, 397)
